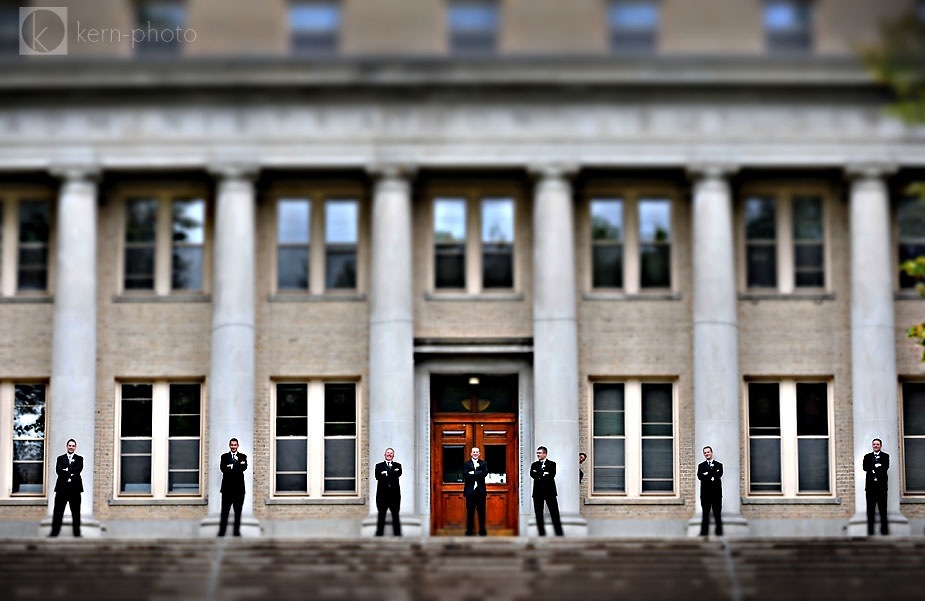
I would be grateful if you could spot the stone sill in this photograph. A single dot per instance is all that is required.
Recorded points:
(152, 298)
(156, 502)
(791, 501)
(482, 296)
(324, 501)
(780, 296)
(912, 501)
(14, 300)
(634, 501)
(34, 501)
(641, 296)
(907, 296)
(299, 297)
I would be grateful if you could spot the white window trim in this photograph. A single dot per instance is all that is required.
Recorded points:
(787, 395)
(164, 194)
(318, 198)
(10, 199)
(315, 442)
(784, 241)
(473, 195)
(7, 397)
(895, 241)
(632, 435)
(630, 195)
(160, 429)
(905, 492)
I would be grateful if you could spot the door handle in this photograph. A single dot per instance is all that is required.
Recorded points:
(454, 432)
(495, 432)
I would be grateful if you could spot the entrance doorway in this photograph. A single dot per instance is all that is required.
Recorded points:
(474, 411)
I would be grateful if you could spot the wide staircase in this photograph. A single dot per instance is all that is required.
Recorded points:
(461, 569)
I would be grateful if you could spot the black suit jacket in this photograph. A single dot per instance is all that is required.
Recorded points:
(478, 475)
(387, 485)
(711, 479)
(544, 480)
(69, 479)
(877, 477)
(233, 476)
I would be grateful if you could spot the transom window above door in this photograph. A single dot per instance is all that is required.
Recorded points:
(474, 393)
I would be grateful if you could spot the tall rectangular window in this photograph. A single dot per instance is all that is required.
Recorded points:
(913, 428)
(910, 217)
(789, 440)
(450, 243)
(23, 414)
(314, 27)
(788, 26)
(634, 431)
(293, 234)
(26, 237)
(161, 22)
(315, 439)
(654, 243)
(160, 439)
(633, 26)
(9, 30)
(34, 235)
(497, 243)
(473, 27)
(761, 242)
(808, 242)
(164, 243)
(340, 229)
(607, 243)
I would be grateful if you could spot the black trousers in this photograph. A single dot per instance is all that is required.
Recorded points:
(57, 517)
(716, 505)
(230, 500)
(384, 505)
(475, 502)
(876, 499)
(553, 504)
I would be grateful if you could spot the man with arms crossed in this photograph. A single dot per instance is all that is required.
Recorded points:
(474, 491)
(710, 474)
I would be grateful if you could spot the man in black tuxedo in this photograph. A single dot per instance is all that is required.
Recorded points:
(710, 474)
(68, 488)
(474, 491)
(543, 472)
(233, 464)
(388, 492)
(876, 465)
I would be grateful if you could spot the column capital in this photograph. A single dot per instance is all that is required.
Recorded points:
(76, 170)
(712, 170)
(405, 171)
(234, 168)
(553, 170)
(864, 170)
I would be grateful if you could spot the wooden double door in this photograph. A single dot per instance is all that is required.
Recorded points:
(454, 435)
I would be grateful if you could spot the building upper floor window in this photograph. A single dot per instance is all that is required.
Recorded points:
(473, 27)
(631, 241)
(165, 241)
(318, 238)
(23, 415)
(913, 429)
(910, 235)
(9, 29)
(633, 26)
(921, 11)
(159, 436)
(789, 425)
(474, 242)
(788, 26)
(161, 22)
(314, 27)
(634, 431)
(315, 444)
(25, 242)
(785, 239)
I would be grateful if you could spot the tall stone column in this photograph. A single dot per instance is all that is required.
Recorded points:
(555, 340)
(873, 339)
(391, 344)
(231, 371)
(717, 420)
(72, 403)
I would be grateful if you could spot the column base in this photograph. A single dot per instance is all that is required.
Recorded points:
(734, 526)
(573, 525)
(411, 526)
(857, 525)
(250, 526)
(90, 527)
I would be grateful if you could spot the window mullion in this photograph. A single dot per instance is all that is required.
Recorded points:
(788, 433)
(474, 244)
(163, 262)
(10, 242)
(633, 432)
(159, 444)
(6, 439)
(785, 271)
(631, 250)
(315, 444)
(317, 247)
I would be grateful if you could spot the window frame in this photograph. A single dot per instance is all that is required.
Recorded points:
(165, 194)
(641, 41)
(11, 198)
(474, 195)
(319, 195)
(783, 196)
(160, 49)
(790, 42)
(789, 439)
(896, 242)
(7, 403)
(160, 440)
(633, 438)
(904, 460)
(460, 42)
(325, 42)
(315, 439)
(630, 194)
